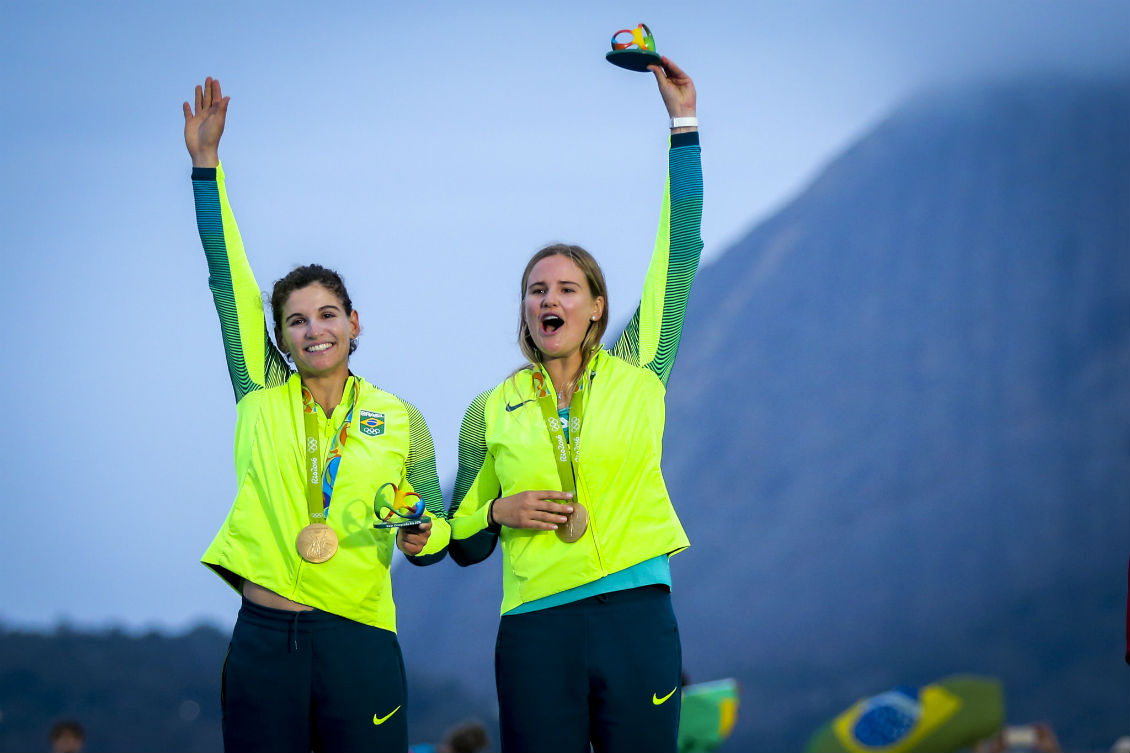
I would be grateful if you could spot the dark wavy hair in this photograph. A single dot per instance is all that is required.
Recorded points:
(301, 277)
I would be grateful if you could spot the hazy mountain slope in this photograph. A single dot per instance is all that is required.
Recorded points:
(898, 434)
(907, 396)
(898, 428)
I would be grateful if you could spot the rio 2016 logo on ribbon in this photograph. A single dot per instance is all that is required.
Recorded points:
(372, 423)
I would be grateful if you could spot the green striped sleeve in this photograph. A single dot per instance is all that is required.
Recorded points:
(420, 473)
(253, 360)
(476, 486)
(476, 467)
(651, 338)
(420, 465)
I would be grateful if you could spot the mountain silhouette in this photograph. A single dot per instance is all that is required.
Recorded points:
(898, 434)
(898, 424)
(897, 429)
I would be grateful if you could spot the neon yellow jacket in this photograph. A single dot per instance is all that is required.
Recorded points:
(257, 540)
(504, 449)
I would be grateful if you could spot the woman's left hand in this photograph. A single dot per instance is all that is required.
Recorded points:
(411, 539)
(204, 124)
(676, 88)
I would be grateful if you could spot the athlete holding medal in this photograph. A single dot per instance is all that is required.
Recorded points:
(562, 462)
(314, 662)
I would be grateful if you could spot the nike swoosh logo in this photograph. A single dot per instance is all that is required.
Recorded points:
(657, 701)
(510, 408)
(381, 720)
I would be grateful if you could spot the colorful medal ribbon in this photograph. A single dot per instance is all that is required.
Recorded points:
(566, 452)
(319, 482)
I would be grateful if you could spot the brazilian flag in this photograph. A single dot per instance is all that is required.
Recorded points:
(709, 710)
(952, 713)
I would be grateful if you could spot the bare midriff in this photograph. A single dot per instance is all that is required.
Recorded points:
(265, 597)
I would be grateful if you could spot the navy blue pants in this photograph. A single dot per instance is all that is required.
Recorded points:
(604, 670)
(302, 681)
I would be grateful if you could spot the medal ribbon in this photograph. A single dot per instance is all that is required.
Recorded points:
(319, 482)
(565, 451)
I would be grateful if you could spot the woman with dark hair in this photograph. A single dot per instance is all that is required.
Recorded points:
(314, 662)
(561, 461)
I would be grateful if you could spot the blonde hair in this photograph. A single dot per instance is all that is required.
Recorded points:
(597, 288)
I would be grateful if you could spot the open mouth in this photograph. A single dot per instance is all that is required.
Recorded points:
(319, 348)
(550, 323)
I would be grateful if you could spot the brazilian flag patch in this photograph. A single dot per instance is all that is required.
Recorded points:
(372, 423)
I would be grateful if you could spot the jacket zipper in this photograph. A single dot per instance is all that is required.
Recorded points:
(579, 482)
(592, 523)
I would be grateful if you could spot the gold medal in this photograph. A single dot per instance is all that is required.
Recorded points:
(576, 524)
(316, 543)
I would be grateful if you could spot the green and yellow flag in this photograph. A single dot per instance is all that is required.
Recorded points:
(947, 715)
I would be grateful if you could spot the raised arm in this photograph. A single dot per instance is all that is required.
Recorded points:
(204, 124)
(677, 90)
(253, 360)
(651, 338)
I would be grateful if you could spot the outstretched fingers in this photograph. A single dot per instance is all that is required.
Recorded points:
(216, 97)
(204, 122)
(206, 97)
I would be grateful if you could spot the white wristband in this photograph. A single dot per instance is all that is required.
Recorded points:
(691, 122)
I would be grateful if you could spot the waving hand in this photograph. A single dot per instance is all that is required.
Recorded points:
(204, 124)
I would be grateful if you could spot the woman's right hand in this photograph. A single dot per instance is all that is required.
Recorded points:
(532, 509)
(204, 126)
(677, 90)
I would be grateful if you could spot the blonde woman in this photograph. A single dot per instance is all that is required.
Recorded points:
(561, 461)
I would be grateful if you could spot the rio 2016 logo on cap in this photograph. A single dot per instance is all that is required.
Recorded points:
(372, 423)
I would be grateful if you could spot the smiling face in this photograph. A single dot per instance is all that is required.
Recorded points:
(558, 307)
(315, 330)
